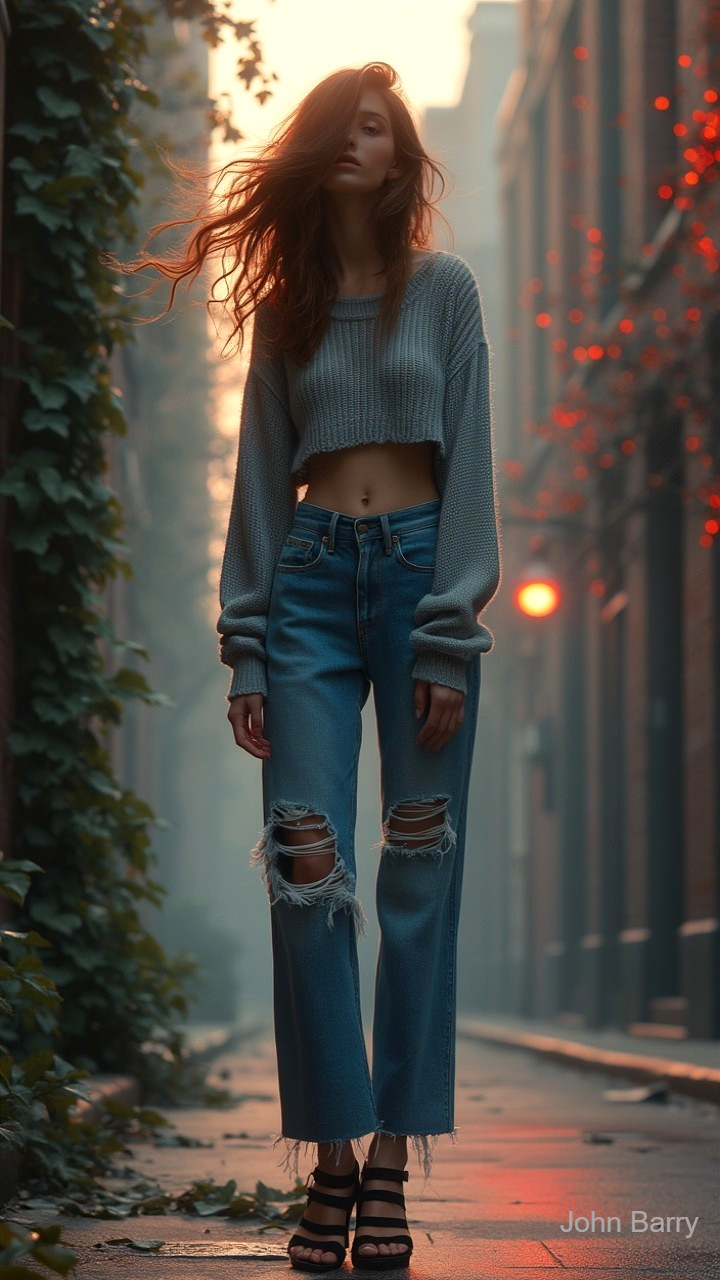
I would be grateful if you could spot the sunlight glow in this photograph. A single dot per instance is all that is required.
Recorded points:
(427, 41)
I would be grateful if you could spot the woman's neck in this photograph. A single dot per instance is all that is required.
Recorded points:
(358, 262)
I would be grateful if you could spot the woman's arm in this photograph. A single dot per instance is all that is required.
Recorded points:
(467, 570)
(262, 511)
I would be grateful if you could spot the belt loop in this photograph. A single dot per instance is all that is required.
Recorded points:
(331, 534)
(387, 540)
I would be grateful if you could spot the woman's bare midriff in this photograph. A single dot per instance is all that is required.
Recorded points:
(371, 478)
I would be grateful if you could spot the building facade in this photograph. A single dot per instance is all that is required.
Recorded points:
(608, 800)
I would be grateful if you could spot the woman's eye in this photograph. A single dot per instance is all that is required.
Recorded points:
(372, 126)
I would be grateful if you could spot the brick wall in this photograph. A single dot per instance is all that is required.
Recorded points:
(607, 168)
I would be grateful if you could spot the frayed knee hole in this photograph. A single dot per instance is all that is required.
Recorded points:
(417, 824)
(314, 851)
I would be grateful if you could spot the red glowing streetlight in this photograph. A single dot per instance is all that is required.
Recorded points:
(537, 594)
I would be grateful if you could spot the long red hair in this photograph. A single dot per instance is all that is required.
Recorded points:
(270, 227)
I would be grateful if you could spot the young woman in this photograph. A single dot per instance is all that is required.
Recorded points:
(369, 382)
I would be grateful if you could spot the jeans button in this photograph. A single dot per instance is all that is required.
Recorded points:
(362, 528)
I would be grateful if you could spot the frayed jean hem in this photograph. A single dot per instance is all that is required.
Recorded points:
(291, 1159)
(422, 1143)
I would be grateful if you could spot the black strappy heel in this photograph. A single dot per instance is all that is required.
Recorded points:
(380, 1261)
(322, 1228)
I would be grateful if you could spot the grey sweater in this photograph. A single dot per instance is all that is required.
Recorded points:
(429, 380)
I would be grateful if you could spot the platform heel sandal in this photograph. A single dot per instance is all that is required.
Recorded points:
(323, 1179)
(380, 1261)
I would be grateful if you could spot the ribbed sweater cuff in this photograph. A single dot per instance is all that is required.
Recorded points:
(439, 668)
(248, 677)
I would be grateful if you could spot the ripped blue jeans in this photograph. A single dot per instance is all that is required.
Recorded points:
(341, 610)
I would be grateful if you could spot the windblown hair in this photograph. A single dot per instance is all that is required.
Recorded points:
(270, 226)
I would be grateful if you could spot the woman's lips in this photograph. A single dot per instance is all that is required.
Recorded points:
(344, 164)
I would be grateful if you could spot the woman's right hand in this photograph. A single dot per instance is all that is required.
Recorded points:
(245, 714)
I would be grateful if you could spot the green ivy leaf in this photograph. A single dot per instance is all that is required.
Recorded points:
(31, 130)
(59, 108)
(24, 493)
(80, 383)
(48, 216)
(60, 921)
(102, 783)
(37, 1065)
(15, 879)
(30, 539)
(51, 483)
(49, 396)
(127, 679)
(34, 181)
(38, 420)
(30, 939)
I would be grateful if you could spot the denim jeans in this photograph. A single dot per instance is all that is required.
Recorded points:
(341, 611)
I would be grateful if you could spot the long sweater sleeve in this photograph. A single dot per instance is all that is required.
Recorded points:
(467, 570)
(261, 514)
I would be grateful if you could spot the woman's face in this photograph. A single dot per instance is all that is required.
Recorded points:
(370, 142)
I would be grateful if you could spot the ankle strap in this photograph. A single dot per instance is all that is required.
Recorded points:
(335, 1179)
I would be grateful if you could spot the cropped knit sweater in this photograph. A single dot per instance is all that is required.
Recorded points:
(430, 379)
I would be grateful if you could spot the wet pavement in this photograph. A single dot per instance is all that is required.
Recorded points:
(538, 1150)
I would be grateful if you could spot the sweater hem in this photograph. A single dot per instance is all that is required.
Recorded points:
(439, 668)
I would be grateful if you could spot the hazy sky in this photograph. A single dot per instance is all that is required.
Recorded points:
(425, 40)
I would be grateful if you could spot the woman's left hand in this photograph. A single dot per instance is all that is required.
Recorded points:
(445, 714)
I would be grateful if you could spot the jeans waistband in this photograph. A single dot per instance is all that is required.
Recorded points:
(335, 526)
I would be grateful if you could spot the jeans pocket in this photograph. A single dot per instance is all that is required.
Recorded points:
(302, 550)
(416, 549)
